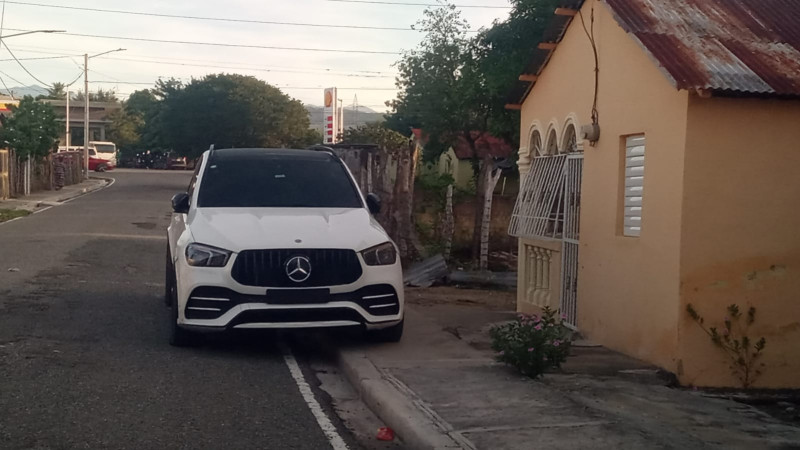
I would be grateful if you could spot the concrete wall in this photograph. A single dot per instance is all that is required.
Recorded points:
(628, 287)
(740, 224)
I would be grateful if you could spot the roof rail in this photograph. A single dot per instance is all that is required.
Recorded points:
(321, 148)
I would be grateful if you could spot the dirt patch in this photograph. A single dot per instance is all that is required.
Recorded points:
(493, 300)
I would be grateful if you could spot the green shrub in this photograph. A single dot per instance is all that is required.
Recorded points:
(531, 343)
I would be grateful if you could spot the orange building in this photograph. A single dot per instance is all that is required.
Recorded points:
(659, 139)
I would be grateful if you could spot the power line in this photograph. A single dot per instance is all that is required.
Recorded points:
(255, 69)
(38, 58)
(142, 83)
(2, 22)
(416, 4)
(22, 65)
(222, 44)
(215, 19)
(210, 63)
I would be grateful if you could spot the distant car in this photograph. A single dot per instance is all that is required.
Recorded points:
(176, 162)
(99, 164)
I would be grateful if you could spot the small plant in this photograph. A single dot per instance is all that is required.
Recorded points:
(532, 343)
(734, 341)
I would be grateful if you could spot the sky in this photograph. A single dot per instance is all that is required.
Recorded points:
(300, 74)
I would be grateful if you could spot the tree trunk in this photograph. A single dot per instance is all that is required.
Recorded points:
(447, 231)
(480, 190)
(491, 182)
(402, 218)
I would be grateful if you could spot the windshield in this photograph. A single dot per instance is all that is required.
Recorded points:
(275, 181)
(106, 148)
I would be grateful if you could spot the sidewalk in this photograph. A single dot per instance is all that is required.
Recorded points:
(42, 199)
(440, 388)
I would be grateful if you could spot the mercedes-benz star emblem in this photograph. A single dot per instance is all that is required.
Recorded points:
(298, 269)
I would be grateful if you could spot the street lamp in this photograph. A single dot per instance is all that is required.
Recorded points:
(31, 32)
(86, 58)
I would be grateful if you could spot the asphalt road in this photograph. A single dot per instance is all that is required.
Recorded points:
(84, 359)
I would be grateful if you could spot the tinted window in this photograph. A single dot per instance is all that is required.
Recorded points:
(277, 181)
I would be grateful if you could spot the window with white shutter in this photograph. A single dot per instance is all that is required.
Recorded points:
(634, 185)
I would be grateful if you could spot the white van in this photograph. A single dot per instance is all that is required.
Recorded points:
(105, 150)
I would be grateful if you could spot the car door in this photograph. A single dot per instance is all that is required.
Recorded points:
(177, 225)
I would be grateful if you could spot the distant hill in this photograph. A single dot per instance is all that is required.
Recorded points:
(22, 91)
(351, 119)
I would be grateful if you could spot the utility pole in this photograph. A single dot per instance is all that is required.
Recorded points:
(69, 141)
(86, 106)
(355, 105)
(86, 114)
(341, 117)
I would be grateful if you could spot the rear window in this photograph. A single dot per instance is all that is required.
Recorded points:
(274, 181)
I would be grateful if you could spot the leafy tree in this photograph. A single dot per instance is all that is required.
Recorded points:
(143, 103)
(31, 130)
(125, 130)
(502, 53)
(100, 96)
(374, 133)
(439, 85)
(229, 110)
(55, 92)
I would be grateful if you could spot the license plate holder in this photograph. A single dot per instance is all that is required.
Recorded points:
(298, 296)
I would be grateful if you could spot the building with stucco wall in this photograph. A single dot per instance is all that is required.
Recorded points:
(689, 194)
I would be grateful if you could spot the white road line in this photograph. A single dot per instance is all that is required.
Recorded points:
(336, 441)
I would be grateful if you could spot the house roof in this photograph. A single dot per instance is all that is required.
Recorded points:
(730, 47)
(484, 144)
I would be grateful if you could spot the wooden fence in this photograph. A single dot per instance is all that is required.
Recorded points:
(39, 174)
(5, 167)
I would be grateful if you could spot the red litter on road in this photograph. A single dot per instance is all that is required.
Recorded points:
(385, 434)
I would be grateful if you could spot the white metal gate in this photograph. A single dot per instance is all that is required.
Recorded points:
(573, 174)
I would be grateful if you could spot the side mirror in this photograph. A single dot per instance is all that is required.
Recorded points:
(180, 203)
(374, 204)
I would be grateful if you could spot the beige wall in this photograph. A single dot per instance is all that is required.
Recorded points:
(628, 287)
(741, 233)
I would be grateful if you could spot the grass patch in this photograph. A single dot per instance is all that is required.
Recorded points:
(9, 214)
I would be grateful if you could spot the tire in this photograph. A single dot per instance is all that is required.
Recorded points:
(178, 337)
(100, 168)
(390, 334)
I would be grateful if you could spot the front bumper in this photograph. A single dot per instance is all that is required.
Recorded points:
(210, 299)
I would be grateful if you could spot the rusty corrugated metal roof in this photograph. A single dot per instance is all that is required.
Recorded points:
(738, 46)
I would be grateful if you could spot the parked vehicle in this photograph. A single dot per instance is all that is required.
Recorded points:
(151, 160)
(275, 238)
(98, 164)
(176, 162)
(105, 150)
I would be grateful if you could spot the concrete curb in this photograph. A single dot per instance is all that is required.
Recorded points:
(387, 402)
(107, 183)
(44, 205)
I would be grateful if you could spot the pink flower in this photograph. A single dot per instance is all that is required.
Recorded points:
(556, 343)
(538, 327)
(564, 316)
(530, 349)
(501, 353)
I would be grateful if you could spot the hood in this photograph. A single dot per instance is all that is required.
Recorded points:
(238, 229)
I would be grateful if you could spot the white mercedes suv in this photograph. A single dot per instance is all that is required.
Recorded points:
(276, 238)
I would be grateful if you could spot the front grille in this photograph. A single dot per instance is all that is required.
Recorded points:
(329, 267)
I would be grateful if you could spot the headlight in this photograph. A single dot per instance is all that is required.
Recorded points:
(380, 255)
(200, 255)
